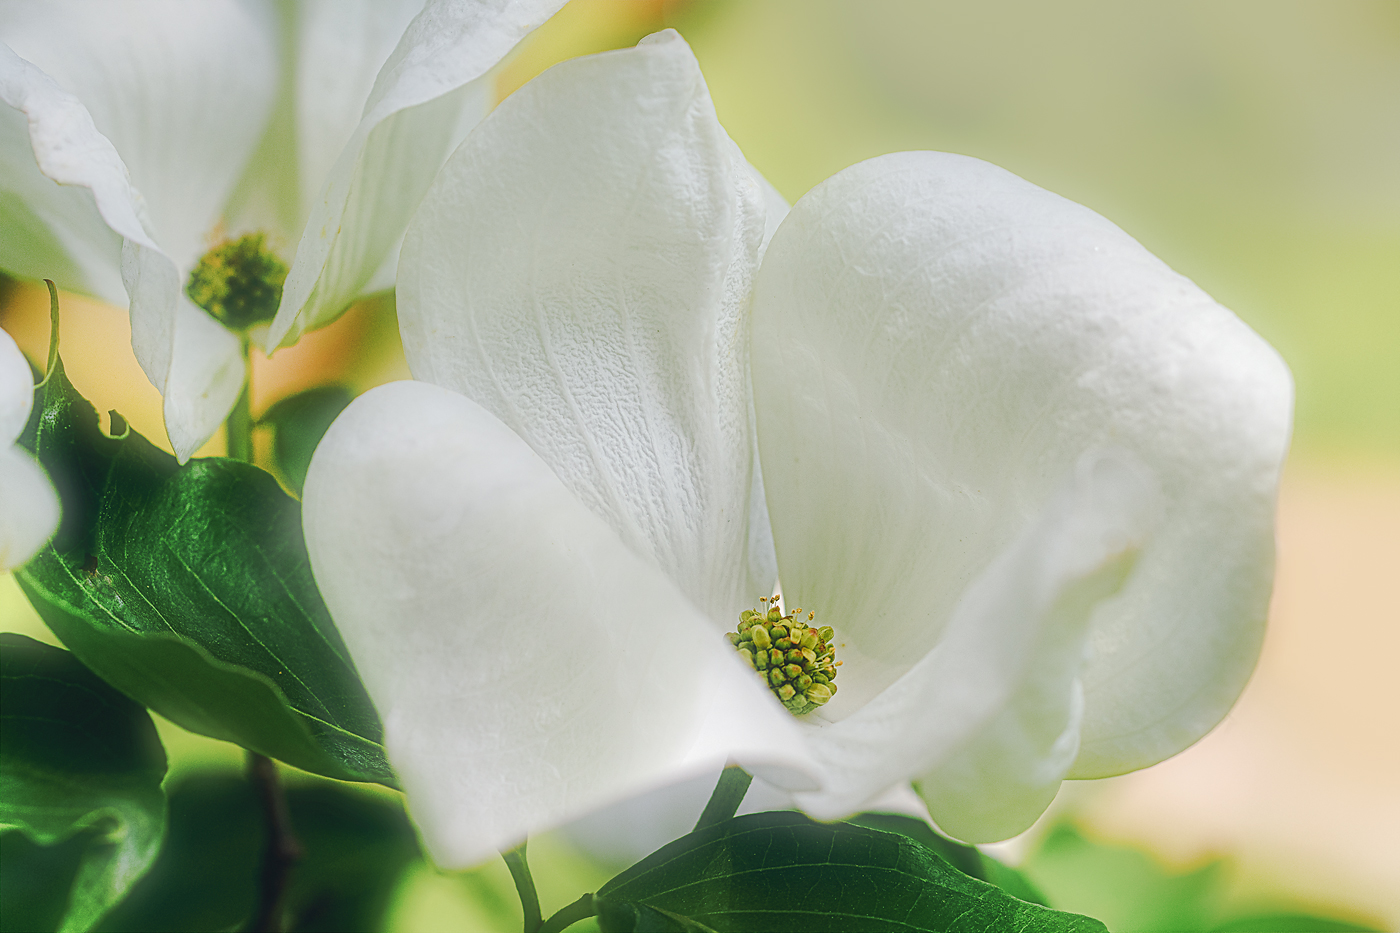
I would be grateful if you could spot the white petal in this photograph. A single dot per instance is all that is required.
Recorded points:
(340, 47)
(16, 390)
(206, 377)
(528, 666)
(940, 341)
(988, 721)
(68, 148)
(775, 205)
(28, 507)
(51, 231)
(581, 268)
(434, 87)
(181, 90)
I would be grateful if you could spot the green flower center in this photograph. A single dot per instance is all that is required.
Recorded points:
(239, 282)
(797, 661)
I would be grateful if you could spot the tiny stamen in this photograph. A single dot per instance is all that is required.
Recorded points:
(796, 661)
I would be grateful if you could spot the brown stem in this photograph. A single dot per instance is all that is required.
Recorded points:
(282, 851)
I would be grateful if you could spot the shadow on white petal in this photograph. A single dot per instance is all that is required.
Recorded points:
(528, 666)
(987, 722)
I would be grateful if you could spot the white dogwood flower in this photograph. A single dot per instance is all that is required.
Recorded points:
(1024, 470)
(28, 504)
(138, 134)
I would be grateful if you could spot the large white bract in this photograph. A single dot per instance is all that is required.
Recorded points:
(1025, 470)
(28, 504)
(136, 134)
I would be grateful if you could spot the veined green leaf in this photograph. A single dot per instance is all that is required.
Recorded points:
(189, 589)
(966, 859)
(783, 872)
(79, 762)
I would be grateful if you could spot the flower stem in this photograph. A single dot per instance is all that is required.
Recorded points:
(524, 886)
(580, 909)
(238, 429)
(728, 794)
(282, 850)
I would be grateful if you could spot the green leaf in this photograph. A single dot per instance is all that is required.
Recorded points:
(783, 872)
(355, 847)
(298, 424)
(189, 589)
(80, 763)
(966, 859)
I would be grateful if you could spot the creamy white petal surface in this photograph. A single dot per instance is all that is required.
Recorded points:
(582, 268)
(16, 390)
(528, 666)
(434, 87)
(988, 722)
(28, 504)
(182, 92)
(937, 344)
(190, 122)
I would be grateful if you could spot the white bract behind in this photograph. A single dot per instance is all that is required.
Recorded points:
(138, 135)
(29, 509)
(1025, 471)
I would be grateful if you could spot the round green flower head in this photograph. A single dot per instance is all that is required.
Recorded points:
(239, 282)
(797, 661)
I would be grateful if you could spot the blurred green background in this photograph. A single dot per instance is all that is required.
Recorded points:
(1254, 146)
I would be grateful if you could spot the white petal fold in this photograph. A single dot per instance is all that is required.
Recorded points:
(69, 150)
(988, 722)
(155, 109)
(528, 666)
(581, 267)
(434, 87)
(182, 91)
(28, 504)
(937, 343)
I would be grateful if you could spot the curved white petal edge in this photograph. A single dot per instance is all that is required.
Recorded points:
(186, 105)
(581, 268)
(434, 87)
(164, 325)
(29, 509)
(939, 345)
(529, 667)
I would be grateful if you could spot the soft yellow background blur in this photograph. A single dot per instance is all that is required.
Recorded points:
(1255, 146)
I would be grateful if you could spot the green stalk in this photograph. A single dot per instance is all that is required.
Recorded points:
(580, 909)
(282, 850)
(525, 887)
(238, 429)
(733, 784)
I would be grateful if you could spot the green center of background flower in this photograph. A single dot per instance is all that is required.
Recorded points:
(797, 661)
(239, 282)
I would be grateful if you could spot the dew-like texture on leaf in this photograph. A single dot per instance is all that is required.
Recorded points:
(78, 761)
(783, 872)
(189, 589)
